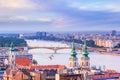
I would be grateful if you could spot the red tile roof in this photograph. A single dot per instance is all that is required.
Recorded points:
(23, 61)
(48, 66)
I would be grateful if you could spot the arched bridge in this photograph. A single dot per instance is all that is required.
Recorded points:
(55, 48)
(51, 48)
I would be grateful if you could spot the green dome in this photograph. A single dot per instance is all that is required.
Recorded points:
(73, 52)
(85, 52)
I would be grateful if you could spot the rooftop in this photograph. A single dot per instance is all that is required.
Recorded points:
(47, 66)
(23, 61)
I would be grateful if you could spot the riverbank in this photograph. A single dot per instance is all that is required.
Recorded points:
(110, 53)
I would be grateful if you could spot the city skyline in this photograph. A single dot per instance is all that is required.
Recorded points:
(59, 15)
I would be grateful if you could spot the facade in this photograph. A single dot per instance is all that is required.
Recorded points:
(70, 74)
(13, 74)
(47, 72)
(85, 60)
(69, 77)
(106, 42)
(41, 34)
(6, 55)
(73, 60)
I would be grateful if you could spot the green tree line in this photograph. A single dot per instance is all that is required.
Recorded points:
(5, 42)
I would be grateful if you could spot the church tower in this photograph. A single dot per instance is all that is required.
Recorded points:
(11, 58)
(73, 60)
(85, 60)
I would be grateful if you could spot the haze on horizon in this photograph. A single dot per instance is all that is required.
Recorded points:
(59, 15)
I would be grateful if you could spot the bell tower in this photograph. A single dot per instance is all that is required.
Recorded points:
(85, 60)
(73, 60)
(11, 58)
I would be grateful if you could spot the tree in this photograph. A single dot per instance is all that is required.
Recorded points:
(34, 61)
(5, 42)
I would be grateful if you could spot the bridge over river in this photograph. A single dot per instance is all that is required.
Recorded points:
(54, 48)
(44, 47)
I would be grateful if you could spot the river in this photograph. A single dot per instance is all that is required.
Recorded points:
(46, 56)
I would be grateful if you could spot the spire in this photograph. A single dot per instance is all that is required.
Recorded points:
(73, 52)
(12, 57)
(11, 47)
(85, 52)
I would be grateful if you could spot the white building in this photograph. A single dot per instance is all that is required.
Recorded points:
(106, 43)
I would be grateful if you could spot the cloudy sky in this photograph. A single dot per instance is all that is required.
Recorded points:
(59, 15)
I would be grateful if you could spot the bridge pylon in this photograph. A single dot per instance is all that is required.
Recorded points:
(55, 50)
